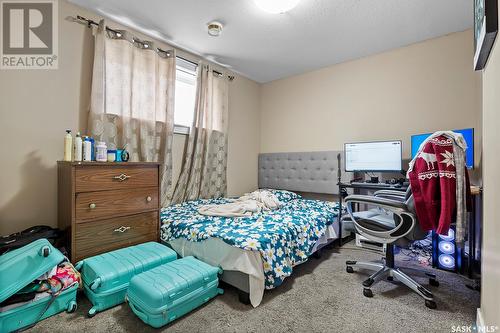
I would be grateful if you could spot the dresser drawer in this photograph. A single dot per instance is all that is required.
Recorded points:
(101, 236)
(109, 177)
(105, 204)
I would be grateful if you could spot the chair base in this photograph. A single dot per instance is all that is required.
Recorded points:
(382, 270)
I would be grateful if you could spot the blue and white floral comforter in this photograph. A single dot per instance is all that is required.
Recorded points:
(284, 237)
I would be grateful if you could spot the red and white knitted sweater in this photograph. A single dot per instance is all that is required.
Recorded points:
(433, 184)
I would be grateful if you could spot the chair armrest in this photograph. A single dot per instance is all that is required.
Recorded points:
(398, 208)
(391, 194)
(377, 201)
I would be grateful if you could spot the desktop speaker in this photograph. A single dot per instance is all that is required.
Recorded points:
(445, 254)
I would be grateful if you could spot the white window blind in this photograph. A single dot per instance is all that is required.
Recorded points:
(185, 95)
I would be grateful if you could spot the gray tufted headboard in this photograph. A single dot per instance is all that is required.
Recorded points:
(314, 172)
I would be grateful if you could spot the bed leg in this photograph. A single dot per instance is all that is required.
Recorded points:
(244, 297)
(317, 254)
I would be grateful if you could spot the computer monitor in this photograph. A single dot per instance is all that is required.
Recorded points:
(377, 156)
(468, 133)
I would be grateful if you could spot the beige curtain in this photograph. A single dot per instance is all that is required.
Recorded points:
(132, 101)
(203, 173)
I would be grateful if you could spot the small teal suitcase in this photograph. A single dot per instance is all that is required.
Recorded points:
(106, 276)
(20, 267)
(169, 291)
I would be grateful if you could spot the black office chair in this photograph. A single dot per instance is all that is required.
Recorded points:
(392, 221)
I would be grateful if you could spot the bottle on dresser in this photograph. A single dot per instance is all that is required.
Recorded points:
(101, 152)
(68, 146)
(77, 151)
(87, 149)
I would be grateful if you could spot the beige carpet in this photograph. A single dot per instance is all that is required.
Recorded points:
(319, 297)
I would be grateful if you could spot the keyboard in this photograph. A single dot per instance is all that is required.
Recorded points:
(377, 185)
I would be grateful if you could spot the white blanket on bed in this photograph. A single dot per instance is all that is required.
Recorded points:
(246, 205)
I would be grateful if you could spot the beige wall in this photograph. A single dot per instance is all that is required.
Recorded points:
(490, 291)
(416, 89)
(36, 106)
(244, 132)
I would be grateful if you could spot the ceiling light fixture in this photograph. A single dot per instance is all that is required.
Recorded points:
(214, 28)
(276, 6)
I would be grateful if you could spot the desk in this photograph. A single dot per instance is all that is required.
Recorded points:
(373, 186)
(471, 263)
(362, 186)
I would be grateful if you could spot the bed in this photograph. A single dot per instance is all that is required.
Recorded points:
(259, 252)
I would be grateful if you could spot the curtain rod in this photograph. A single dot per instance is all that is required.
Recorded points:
(90, 23)
(230, 77)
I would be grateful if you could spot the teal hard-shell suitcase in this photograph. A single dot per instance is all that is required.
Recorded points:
(169, 291)
(106, 276)
(20, 267)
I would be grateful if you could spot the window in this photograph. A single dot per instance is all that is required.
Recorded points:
(185, 95)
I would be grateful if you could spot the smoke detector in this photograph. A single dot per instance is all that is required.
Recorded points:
(214, 28)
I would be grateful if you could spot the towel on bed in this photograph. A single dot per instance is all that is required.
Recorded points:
(246, 205)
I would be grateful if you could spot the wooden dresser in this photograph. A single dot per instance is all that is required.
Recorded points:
(106, 206)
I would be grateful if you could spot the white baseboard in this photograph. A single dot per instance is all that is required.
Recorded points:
(479, 318)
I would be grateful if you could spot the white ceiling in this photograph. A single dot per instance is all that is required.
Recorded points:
(315, 34)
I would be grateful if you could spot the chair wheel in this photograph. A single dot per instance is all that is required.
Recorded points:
(349, 269)
(434, 282)
(390, 278)
(368, 282)
(430, 304)
(368, 292)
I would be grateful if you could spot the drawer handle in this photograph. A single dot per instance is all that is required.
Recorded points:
(92, 206)
(122, 229)
(122, 177)
(148, 198)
